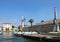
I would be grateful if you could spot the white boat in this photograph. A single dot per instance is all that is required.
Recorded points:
(17, 33)
(24, 33)
(29, 33)
(34, 33)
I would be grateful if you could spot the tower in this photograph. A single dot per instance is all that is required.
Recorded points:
(23, 22)
(56, 26)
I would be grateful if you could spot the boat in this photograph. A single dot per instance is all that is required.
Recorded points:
(29, 33)
(24, 33)
(17, 33)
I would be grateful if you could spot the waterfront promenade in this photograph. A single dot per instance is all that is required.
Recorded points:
(45, 38)
(41, 36)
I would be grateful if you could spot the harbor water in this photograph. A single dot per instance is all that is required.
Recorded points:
(9, 37)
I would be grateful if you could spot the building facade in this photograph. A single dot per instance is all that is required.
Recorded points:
(7, 27)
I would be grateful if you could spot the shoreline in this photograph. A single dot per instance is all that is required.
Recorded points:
(46, 38)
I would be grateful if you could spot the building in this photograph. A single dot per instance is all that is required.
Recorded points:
(23, 22)
(15, 29)
(20, 27)
(46, 26)
(7, 27)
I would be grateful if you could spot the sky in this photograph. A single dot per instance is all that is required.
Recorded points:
(11, 11)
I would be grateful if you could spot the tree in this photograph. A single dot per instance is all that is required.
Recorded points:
(42, 21)
(31, 21)
(12, 26)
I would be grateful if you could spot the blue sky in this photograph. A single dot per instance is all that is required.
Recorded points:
(12, 10)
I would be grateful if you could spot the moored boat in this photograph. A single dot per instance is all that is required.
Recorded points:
(28, 33)
(24, 33)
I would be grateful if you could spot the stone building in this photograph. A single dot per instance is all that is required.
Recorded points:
(46, 26)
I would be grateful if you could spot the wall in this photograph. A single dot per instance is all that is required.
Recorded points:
(40, 28)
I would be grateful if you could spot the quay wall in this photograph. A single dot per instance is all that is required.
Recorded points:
(45, 26)
(45, 38)
(38, 28)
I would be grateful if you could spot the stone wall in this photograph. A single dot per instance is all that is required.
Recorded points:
(40, 28)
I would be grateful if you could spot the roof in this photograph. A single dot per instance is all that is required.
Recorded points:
(6, 23)
(48, 22)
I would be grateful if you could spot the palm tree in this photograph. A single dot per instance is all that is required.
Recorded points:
(31, 21)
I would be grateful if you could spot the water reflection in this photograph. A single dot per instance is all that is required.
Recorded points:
(29, 40)
(7, 41)
(9, 37)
